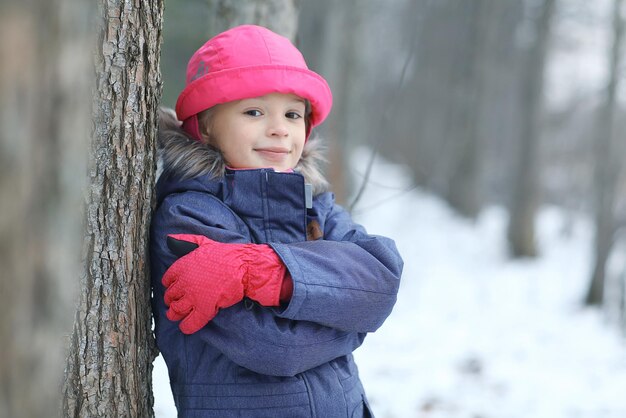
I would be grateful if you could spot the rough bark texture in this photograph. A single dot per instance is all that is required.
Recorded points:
(110, 363)
(521, 229)
(607, 161)
(281, 16)
(44, 101)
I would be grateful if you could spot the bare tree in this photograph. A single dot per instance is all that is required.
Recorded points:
(331, 33)
(454, 117)
(110, 363)
(607, 164)
(44, 91)
(281, 16)
(521, 229)
(464, 125)
(184, 30)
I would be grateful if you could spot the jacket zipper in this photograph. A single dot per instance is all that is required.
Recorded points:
(266, 223)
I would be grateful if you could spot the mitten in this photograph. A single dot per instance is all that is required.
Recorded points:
(217, 275)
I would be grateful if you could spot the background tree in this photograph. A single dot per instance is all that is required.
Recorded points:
(185, 29)
(44, 93)
(281, 16)
(608, 160)
(110, 362)
(463, 191)
(190, 23)
(452, 122)
(329, 36)
(525, 198)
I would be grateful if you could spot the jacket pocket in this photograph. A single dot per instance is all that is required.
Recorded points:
(348, 376)
(254, 400)
(362, 410)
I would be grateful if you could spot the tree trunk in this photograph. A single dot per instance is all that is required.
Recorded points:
(280, 16)
(341, 51)
(521, 229)
(44, 94)
(607, 162)
(110, 364)
(463, 192)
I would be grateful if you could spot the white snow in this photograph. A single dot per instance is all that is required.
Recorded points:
(474, 334)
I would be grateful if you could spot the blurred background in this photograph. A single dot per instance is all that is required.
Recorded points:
(487, 102)
(487, 138)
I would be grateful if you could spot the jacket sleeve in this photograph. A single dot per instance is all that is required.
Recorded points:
(347, 281)
(250, 335)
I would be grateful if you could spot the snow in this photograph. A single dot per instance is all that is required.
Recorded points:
(474, 334)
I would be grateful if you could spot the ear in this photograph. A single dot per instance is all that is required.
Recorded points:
(206, 136)
(205, 119)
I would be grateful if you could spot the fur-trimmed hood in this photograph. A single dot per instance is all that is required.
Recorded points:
(180, 154)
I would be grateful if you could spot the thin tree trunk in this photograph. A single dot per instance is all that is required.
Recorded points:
(463, 192)
(521, 229)
(110, 364)
(344, 35)
(606, 166)
(44, 91)
(280, 16)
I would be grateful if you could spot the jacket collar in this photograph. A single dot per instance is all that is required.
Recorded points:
(279, 214)
(273, 205)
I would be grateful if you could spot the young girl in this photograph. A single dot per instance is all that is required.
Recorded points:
(262, 286)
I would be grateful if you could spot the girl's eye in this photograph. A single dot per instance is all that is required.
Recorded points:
(253, 112)
(293, 115)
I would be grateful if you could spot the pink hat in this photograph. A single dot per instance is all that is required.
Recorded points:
(244, 62)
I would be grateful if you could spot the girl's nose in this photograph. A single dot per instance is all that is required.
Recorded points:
(277, 128)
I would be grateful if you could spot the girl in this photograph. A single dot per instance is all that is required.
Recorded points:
(262, 286)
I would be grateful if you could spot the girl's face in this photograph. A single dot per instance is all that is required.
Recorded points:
(262, 132)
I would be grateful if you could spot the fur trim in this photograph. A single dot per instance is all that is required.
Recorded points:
(190, 158)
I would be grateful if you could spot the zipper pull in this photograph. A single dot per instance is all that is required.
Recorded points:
(308, 195)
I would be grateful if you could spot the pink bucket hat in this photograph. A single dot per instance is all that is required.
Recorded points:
(244, 62)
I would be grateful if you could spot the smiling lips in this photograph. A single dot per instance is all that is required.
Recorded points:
(273, 153)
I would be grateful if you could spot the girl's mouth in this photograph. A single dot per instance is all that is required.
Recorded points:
(273, 153)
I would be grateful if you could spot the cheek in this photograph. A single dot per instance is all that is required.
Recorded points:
(298, 154)
(300, 145)
(236, 156)
(239, 154)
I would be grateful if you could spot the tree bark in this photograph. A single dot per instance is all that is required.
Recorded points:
(44, 91)
(607, 163)
(110, 364)
(521, 229)
(280, 16)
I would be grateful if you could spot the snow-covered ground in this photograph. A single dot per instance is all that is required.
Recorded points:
(474, 334)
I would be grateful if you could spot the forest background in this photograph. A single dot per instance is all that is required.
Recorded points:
(487, 102)
(515, 103)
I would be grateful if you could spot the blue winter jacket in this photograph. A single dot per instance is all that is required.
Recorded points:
(293, 361)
